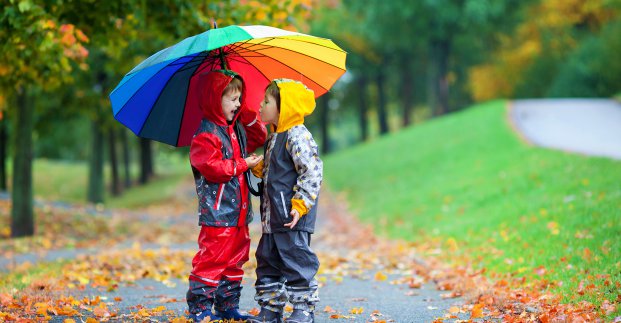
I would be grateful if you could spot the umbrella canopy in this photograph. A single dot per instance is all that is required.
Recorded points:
(158, 99)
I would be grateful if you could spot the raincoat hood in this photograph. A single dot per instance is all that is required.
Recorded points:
(212, 85)
(296, 102)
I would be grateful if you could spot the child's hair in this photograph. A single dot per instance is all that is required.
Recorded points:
(234, 85)
(273, 90)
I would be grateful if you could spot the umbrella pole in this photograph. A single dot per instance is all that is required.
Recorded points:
(220, 51)
(222, 60)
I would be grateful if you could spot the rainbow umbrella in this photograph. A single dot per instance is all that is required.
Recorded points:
(158, 99)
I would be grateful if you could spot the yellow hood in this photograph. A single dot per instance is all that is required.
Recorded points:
(296, 102)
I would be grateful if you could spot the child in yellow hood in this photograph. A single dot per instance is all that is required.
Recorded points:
(292, 175)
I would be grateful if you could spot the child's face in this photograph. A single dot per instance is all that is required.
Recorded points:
(230, 104)
(269, 110)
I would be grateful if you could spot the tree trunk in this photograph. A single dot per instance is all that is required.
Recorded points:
(407, 91)
(325, 120)
(22, 213)
(3, 156)
(95, 174)
(115, 188)
(146, 160)
(381, 107)
(126, 159)
(438, 74)
(363, 117)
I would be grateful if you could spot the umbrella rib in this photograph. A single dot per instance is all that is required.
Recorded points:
(293, 51)
(210, 65)
(260, 71)
(142, 86)
(258, 54)
(185, 102)
(294, 69)
(193, 63)
(266, 39)
(158, 98)
(292, 38)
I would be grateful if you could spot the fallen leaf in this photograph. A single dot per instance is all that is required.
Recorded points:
(254, 311)
(477, 311)
(327, 309)
(356, 310)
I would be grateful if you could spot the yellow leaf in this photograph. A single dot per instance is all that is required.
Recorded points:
(380, 276)
(356, 310)
(159, 309)
(452, 244)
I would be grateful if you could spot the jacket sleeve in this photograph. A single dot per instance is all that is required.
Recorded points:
(206, 156)
(303, 150)
(256, 131)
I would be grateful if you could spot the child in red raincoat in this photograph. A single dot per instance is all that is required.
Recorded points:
(228, 132)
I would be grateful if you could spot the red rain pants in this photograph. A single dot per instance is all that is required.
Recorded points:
(222, 253)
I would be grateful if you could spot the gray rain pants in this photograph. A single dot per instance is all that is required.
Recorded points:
(286, 269)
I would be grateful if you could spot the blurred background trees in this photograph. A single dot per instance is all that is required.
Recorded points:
(408, 61)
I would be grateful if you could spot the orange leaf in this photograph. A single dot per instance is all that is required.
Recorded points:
(328, 309)
(477, 311)
(101, 312)
(380, 276)
(254, 311)
(586, 254)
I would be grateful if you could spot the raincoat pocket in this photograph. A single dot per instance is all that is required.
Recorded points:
(279, 210)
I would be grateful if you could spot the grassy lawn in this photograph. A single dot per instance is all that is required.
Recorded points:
(68, 182)
(467, 181)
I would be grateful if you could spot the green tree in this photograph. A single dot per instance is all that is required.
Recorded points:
(37, 55)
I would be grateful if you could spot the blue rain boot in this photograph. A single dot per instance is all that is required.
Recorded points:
(232, 314)
(200, 316)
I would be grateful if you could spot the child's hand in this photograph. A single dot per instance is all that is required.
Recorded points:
(253, 160)
(296, 216)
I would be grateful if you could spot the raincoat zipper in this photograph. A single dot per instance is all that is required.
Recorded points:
(284, 206)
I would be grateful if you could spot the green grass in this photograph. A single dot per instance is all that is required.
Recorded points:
(24, 276)
(65, 181)
(509, 206)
